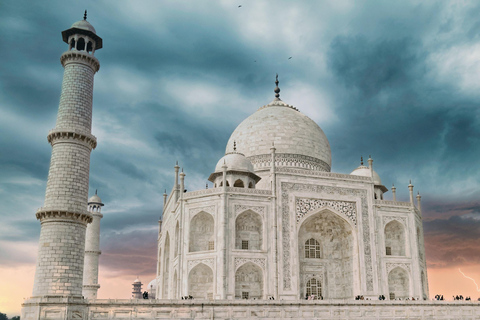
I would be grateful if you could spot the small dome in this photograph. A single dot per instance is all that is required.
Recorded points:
(95, 199)
(234, 161)
(364, 171)
(84, 25)
(137, 281)
(152, 284)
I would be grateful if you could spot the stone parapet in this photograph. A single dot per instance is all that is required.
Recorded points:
(46, 214)
(249, 309)
(82, 138)
(80, 57)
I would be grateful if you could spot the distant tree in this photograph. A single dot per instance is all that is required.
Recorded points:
(3, 316)
(15, 318)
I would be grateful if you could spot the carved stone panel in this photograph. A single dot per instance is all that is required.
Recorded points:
(239, 208)
(240, 261)
(391, 266)
(209, 209)
(192, 263)
(305, 206)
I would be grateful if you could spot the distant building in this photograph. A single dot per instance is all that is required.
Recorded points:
(137, 289)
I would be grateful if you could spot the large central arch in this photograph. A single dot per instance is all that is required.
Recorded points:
(326, 254)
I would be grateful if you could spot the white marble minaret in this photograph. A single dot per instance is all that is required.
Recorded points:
(64, 216)
(92, 249)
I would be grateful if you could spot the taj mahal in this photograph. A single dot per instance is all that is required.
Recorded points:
(277, 235)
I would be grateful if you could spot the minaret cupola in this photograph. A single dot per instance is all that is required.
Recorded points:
(82, 37)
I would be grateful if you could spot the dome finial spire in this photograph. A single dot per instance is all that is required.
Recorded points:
(85, 15)
(96, 191)
(277, 89)
(361, 160)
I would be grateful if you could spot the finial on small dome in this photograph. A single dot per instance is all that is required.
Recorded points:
(277, 89)
(206, 185)
(361, 160)
(95, 191)
(85, 15)
(234, 146)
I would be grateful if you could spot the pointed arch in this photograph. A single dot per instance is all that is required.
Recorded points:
(81, 44)
(177, 242)
(239, 184)
(175, 285)
(202, 236)
(398, 284)
(395, 238)
(200, 282)
(249, 282)
(249, 231)
(166, 265)
(326, 242)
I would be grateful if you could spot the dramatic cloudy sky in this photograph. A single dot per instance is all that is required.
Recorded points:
(397, 80)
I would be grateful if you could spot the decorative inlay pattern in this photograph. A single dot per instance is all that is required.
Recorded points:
(208, 209)
(307, 172)
(291, 160)
(306, 206)
(251, 191)
(391, 266)
(239, 208)
(240, 261)
(387, 219)
(192, 263)
(287, 188)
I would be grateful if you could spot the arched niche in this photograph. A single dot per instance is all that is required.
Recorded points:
(166, 266)
(326, 253)
(159, 261)
(81, 44)
(424, 285)
(202, 237)
(175, 285)
(394, 239)
(398, 284)
(200, 282)
(239, 184)
(249, 231)
(177, 242)
(249, 282)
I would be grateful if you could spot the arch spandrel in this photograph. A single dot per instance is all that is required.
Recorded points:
(305, 207)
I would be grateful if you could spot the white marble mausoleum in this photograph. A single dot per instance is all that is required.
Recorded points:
(278, 223)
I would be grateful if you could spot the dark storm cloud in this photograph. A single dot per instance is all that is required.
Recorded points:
(398, 114)
(452, 242)
(378, 77)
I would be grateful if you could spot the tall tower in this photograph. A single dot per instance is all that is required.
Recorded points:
(92, 249)
(64, 216)
(137, 289)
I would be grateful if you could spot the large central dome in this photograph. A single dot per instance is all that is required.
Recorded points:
(298, 140)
